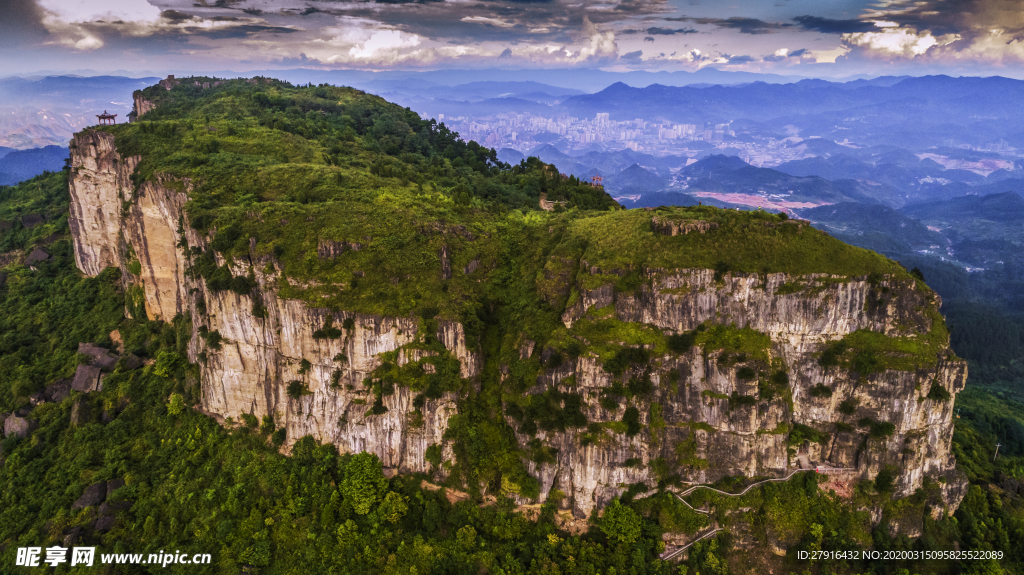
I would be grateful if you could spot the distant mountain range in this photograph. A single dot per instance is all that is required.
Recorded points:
(18, 165)
(912, 113)
(37, 112)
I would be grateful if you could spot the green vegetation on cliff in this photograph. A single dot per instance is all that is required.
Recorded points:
(305, 171)
(361, 204)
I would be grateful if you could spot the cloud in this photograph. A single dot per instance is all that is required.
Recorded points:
(943, 31)
(741, 59)
(21, 23)
(80, 11)
(898, 41)
(669, 31)
(829, 26)
(783, 54)
(742, 24)
(633, 55)
(506, 53)
(596, 44)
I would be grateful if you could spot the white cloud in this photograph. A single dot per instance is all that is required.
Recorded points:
(828, 56)
(383, 42)
(898, 41)
(82, 11)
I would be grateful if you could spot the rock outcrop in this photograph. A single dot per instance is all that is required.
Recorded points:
(702, 413)
(259, 355)
(706, 417)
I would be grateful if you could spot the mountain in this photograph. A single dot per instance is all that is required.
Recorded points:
(356, 336)
(510, 156)
(19, 165)
(1004, 207)
(634, 180)
(913, 113)
(969, 249)
(876, 227)
(728, 178)
(39, 112)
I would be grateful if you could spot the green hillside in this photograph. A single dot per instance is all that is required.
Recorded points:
(292, 167)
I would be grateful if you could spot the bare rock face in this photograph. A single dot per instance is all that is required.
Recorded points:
(258, 357)
(143, 105)
(81, 411)
(706, 419)
(18, 426)
(93, 496)
(87, 378)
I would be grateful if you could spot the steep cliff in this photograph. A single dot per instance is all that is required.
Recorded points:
(612, 348)
(249, 370)
(710, 411)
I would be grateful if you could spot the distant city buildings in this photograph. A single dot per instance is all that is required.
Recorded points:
(524, 131)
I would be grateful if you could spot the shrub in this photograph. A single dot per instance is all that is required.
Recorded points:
(176, 404)
(746, 373)
(297, 389)
(938, 393)
(849, 406)
(680, 342)
(328, 331)
(831, 355)
(737, 401)
(625, 357)
(632, 420)
(640, 386)
(885, 481)
(820, 391)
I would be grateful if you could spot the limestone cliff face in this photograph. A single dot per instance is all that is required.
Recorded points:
(703, 436)
(704, 419)
(258, 357)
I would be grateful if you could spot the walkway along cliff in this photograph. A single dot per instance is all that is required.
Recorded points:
(649, 373)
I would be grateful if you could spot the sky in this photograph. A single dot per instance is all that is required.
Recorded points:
(808, 38)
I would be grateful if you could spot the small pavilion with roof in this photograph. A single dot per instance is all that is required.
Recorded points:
(106, 119)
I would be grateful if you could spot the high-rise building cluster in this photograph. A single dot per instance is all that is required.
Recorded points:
(523, 131)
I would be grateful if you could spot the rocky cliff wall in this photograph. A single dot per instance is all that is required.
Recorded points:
(703, 419)
(258, 357)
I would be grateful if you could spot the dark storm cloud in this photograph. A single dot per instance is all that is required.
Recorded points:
(175, 17)
(241, 31)
(661, 31)
(20, 21)
(829, 26)
(742, 24)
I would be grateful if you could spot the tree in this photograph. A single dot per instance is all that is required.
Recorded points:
(364, 483)
(620, 523)
(394, 507)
